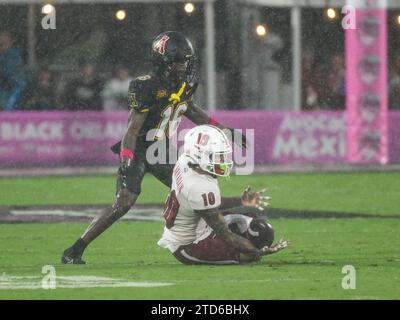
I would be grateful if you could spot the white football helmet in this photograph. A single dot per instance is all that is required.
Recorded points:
(209, 147)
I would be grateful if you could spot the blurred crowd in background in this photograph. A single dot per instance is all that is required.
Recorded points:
(95, 89)
(50, 90)
(254, 73)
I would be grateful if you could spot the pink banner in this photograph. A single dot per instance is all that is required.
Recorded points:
(59, 138)
(366, 87)
(291, 137)
(84, 138)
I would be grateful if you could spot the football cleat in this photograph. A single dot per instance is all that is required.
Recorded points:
(70, 257)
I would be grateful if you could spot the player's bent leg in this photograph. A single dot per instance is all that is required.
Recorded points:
(123, 202)
(211, 250)
(125, 199)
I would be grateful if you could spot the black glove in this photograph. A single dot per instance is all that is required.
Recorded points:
(116, 148)
(123, 171)
(244, 140)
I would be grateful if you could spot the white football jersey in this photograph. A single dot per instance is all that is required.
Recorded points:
(190, 191)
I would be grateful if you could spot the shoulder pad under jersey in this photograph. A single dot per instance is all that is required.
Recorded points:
(140, 93)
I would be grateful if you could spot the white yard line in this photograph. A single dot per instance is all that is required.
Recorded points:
(72, 282)
(8, 282)
(135, 214)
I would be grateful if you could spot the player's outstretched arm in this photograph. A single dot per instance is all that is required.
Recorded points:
(216, 221)
(247, 199)
(198, 116)
(230, 202)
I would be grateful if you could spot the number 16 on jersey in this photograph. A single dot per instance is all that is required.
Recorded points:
(170, 120)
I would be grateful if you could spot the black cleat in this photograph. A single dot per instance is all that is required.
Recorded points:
(70, 257)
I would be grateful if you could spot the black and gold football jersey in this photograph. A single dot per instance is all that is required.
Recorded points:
(164, 103)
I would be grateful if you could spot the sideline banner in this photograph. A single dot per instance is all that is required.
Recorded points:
(59, 138)
(84, 138)
(366, 84)
(291, 137)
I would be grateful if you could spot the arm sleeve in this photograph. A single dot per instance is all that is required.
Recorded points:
(204, 196)
(139, 95)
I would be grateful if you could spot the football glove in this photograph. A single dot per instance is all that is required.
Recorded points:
(116, 148)
(123, 171)
(255, 199)
(282, 244)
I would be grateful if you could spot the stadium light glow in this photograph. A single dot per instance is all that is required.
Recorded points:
(262, 30)
(331, 13)
(48, 8)
(189, 8)
(120, 14)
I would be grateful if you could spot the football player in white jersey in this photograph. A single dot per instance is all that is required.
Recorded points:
(195, 229)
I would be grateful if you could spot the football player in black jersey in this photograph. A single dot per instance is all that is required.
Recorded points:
(158, 101)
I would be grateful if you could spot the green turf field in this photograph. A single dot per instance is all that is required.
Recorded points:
(311, 268)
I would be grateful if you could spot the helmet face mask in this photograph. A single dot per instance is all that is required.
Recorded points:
(179, 69)
(220, 163)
